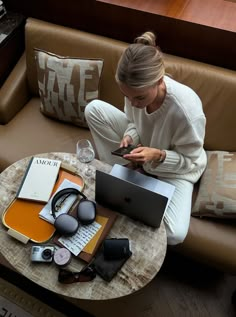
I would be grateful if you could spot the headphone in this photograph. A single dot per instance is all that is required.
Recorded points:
(66, 224)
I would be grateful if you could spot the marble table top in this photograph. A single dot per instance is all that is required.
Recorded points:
(148, 245)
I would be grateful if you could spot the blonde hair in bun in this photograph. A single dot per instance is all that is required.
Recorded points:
(147, 38)
(141, 64)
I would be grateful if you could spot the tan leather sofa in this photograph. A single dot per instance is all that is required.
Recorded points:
(25, 131)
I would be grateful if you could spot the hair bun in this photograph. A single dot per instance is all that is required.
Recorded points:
(147, 38)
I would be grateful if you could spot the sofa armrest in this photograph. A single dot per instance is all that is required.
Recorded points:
(14, 93)
(212, 242)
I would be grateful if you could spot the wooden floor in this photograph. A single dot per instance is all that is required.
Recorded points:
(214, 13)
(181, 288)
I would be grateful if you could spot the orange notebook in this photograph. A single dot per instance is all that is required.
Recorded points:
(22, 216)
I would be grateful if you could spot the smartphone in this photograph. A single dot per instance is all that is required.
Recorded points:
(123, 150)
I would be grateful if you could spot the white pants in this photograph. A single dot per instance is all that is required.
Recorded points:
(107, 125)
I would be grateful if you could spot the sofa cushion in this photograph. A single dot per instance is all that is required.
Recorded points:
(67, 85)
(217, 190)
(31, 133)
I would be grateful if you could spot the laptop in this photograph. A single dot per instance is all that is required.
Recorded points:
(133, 194)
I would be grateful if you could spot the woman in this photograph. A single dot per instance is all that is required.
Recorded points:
(164, 118)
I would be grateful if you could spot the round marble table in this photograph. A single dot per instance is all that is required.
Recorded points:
(148, 244)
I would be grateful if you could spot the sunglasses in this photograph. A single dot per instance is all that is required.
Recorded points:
(85, 275)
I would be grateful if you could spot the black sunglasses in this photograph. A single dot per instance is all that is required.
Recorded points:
(68, 277)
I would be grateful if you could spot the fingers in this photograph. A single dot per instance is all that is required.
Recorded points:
(122, 144)
(135, 155)
(141, 154)
(126, 141)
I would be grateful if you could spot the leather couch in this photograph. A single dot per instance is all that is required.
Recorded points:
(25, 131)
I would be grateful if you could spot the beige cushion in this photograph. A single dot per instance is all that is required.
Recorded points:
(217, 190)
(67, 85)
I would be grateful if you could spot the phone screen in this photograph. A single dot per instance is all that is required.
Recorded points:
(123, 150)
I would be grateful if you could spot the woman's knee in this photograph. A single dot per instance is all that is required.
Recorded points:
(89, 109)
(176, 237)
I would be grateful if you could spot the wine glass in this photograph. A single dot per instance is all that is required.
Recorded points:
(85, 154)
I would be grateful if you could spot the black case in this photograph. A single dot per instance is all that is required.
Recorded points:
(115, 249)
(107, 269)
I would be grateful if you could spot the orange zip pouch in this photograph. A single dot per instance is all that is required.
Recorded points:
(22, 216)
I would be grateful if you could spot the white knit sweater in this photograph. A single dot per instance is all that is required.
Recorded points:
(178, 127)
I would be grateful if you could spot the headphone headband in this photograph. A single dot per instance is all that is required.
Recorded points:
(62, 193)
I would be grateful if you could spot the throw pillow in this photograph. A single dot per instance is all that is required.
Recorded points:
(217, 190)
(67, 85)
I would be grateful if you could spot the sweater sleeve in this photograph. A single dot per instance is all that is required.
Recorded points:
(185, 152)
(131, 129)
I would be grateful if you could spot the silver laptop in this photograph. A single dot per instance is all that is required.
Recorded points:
(131, 193)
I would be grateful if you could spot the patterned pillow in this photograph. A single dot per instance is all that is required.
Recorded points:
(217, 191)
(67, 85)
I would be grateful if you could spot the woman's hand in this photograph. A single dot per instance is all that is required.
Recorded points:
(144, 154)
(126, 141)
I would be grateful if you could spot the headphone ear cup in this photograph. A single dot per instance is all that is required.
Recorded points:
(86, 211)
(66, 225)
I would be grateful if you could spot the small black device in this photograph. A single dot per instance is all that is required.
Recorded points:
(66, 224)
(124, 150)
(42, 253)
(114, 249)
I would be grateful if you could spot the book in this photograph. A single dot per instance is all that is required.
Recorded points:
(39, 179)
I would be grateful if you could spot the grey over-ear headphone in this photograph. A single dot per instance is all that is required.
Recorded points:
(65, 223)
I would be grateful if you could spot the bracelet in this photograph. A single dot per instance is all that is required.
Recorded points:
(162, 157)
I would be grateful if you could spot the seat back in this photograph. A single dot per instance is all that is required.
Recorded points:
(215, 86)
(217, 89)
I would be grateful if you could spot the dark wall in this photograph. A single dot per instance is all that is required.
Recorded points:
(12, 45)
(73, 13)
(190, 40)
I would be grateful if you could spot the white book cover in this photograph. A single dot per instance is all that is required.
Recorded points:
(39, 179)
